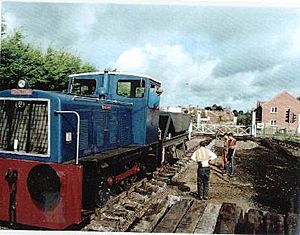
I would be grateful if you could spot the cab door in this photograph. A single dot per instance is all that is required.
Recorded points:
(153, 98)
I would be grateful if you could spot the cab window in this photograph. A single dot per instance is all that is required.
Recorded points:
(83, 86)
(131, 88)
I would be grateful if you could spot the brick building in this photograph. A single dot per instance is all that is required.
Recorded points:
(272, 114)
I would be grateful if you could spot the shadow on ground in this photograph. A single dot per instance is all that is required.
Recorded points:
(274, 173)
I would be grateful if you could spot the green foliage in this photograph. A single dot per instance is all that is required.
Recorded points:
(46, 71)
(124, 89)
(214, 107)
(243, 118)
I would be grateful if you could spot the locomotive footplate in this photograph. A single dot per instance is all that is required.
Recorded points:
(175, 140)
(109, 154)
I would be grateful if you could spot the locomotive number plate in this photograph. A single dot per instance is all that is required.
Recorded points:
(21, 92)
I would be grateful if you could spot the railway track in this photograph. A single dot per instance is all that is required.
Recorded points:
(287, 143)
(144, 201)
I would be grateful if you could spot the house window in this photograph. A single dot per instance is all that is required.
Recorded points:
(273, 122)
(273, 109)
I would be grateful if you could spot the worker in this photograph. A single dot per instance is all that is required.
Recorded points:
(224, 153)
(231, 153)
(203, 156)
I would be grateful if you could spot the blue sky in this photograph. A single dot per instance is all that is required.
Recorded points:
(228, 55)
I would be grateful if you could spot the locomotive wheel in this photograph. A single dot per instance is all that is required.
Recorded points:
(103, 194)
(128, 182)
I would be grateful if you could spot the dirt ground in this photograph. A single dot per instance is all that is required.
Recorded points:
(267, 177)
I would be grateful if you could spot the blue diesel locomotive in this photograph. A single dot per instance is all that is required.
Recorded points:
(62, 153)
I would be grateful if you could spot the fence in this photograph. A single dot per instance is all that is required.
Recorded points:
(281, 134)
(237, 130)
(219, 129)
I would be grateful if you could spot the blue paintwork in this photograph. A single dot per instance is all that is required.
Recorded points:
(101, 129)
(144, 128)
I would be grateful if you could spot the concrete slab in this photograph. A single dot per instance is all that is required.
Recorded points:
(208, 220)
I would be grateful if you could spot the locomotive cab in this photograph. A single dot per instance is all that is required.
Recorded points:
(141, 91)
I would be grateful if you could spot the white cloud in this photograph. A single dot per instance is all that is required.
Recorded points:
(138, 58)
(132, 60)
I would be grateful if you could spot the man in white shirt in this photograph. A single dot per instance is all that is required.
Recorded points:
(203, 156)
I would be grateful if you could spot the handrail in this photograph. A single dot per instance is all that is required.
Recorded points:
(78, 131)
(86, 98)
(95, 99)
(119, 102)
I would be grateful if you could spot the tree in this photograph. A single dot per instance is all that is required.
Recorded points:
(3, 26)
(16, 59)
(235, 112)
(47, 71)
(214, 107)
(57, 65)
(243, 118)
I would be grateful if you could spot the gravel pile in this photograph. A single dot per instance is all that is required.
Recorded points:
(241, 144)
(248, 144)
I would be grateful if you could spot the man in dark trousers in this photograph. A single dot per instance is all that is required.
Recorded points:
(224, 153)
(230, 155)
(203, 156)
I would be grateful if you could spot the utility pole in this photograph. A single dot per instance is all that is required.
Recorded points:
(253, 129)
(288, 119)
